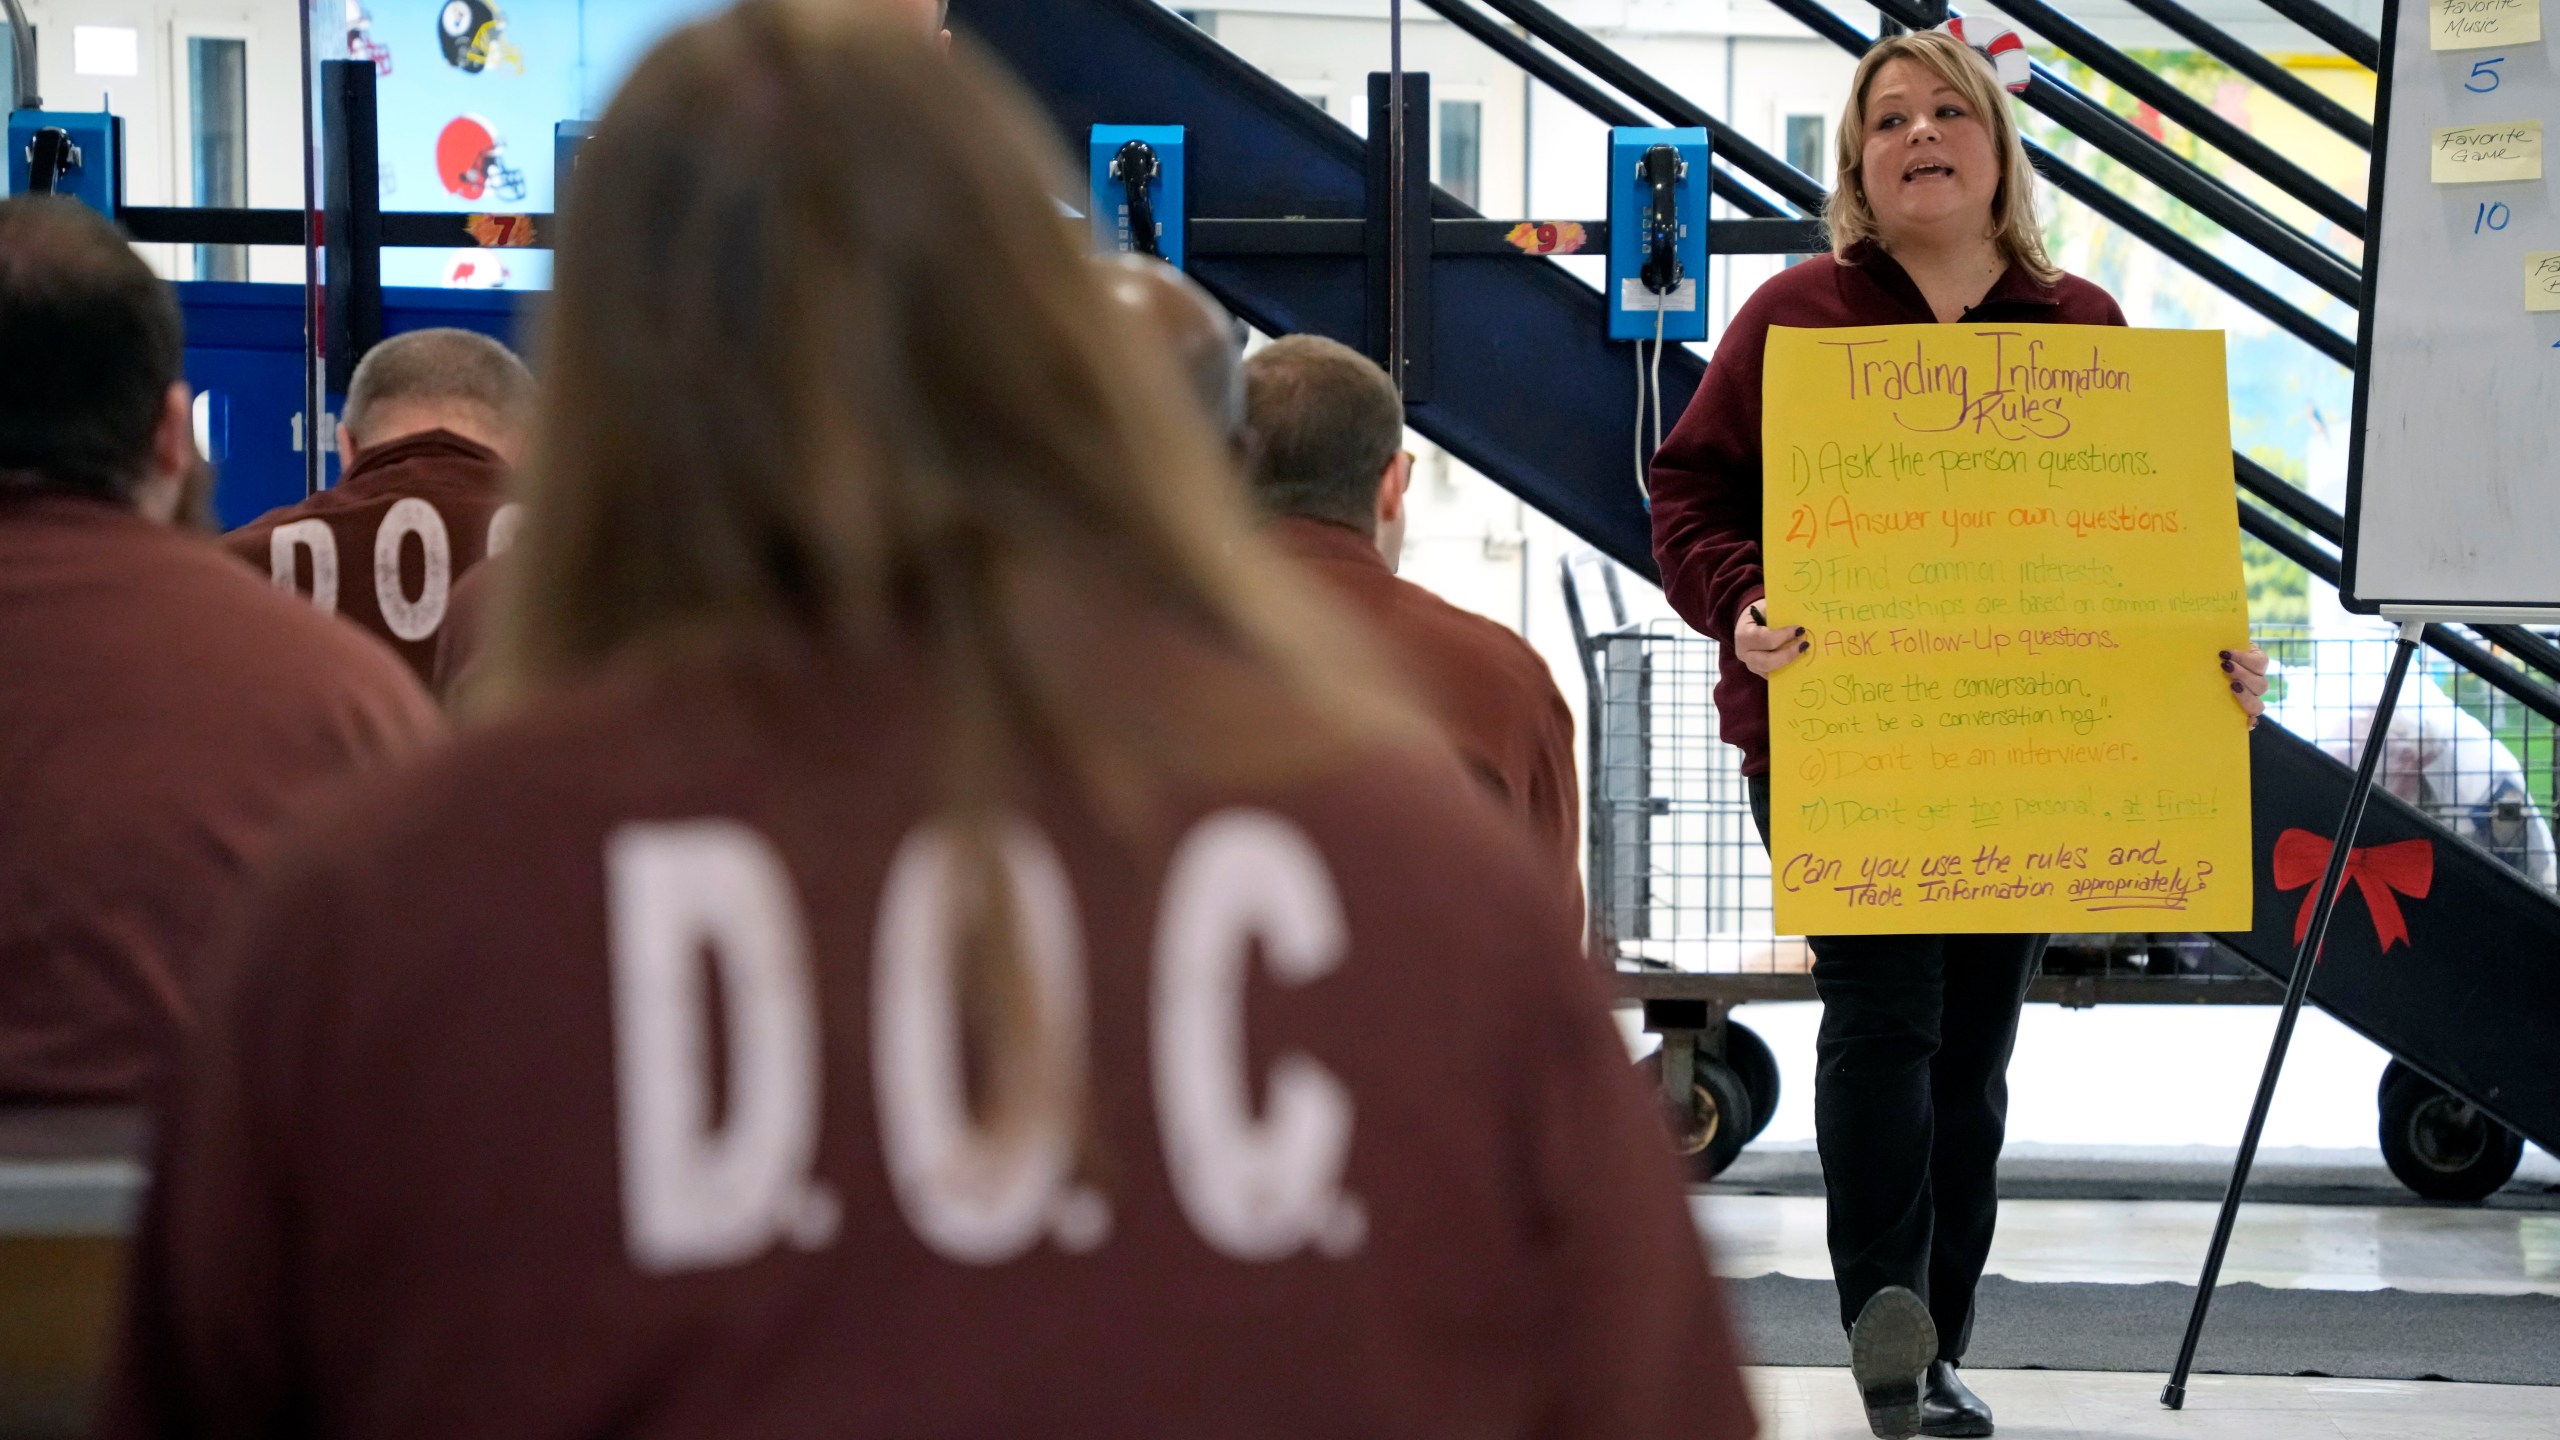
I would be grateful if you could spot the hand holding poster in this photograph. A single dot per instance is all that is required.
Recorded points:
(2015, 553)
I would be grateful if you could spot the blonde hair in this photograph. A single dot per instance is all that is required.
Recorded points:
(2013, 204)
(878, 403)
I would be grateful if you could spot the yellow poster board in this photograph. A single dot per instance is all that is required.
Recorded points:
(2016, 554)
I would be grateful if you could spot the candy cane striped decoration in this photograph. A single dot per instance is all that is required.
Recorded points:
(1998, 44)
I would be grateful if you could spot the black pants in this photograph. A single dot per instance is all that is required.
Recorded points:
(1910, 1102)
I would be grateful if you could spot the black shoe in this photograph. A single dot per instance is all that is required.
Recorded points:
(1890, 1350)
(1947, 1407)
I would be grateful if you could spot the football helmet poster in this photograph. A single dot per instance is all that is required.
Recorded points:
(473, 34)
(479, 106)
(362, 44)
(472, 161)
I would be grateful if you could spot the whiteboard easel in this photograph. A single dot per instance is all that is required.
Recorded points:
(2453, 502)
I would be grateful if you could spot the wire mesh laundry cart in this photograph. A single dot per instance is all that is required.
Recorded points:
(1679, 889)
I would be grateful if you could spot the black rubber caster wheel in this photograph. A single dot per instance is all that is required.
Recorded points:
(2439, 1144)
(1716, 1122)
(1747, 1055)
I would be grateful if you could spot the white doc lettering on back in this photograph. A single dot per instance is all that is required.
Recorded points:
(969, 1194)
(412, 619)
(313, 536)
(695, 1196)
(1255, 1189)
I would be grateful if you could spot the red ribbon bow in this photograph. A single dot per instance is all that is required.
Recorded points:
(2407, 868)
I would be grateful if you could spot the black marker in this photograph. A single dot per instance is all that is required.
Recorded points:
(1759, 619)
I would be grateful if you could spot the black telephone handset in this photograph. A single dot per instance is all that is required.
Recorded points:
(1136, 167)
(50, 156)
(1661, 170)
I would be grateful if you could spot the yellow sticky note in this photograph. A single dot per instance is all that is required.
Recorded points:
(2542, 280)
(2478, 24)
(2471, 154)
(2014, 551)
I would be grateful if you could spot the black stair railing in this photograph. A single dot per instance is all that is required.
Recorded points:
(2165, 168)
(2203, 263)
(1608, 66)
(2122, 212)
(2223, 207)
(2181, 178)
(1599, 103)
(1793, 185)
(2135, 79)
(2074, 111)
(2341, 33)
(2126, 215)
(2203, 34)
(2101, 127)
(2283, 501)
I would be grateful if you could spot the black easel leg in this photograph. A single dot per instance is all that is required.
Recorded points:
(2297, 986)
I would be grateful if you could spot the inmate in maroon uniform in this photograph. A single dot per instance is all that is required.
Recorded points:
(432, 418)
(660, 1062)
(1490, 692)
(1373, 1161)
(1326, 458)
(160, 711)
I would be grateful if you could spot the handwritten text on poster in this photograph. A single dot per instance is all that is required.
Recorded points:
(2015, 553)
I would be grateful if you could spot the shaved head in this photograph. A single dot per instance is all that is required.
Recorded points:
(1204, 340)
(437, 379)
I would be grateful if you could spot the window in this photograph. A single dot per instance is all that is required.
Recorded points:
(108, 50)
(1461, 157)
(1804, 151)
(218, 122)
(1804, 144)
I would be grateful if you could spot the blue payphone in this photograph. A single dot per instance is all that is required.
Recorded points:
(1136, 195)
(1657, 233)
(71, 153)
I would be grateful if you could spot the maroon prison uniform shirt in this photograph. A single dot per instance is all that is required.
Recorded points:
(1486, 688)
(160, 712)
(1362, 1154)
(385, 545)
(1706, 476)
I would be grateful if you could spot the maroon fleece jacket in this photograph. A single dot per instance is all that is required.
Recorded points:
(1706, 477)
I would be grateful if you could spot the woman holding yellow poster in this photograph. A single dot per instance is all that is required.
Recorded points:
(1932, 222)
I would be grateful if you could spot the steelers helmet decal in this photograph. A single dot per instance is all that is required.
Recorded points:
(472, 33)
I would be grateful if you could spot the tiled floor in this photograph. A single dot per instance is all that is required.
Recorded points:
(2322, 1247)
(2317, 1246)
(2067, 1405)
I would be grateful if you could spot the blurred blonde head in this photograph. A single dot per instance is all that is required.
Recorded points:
(824, 368)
